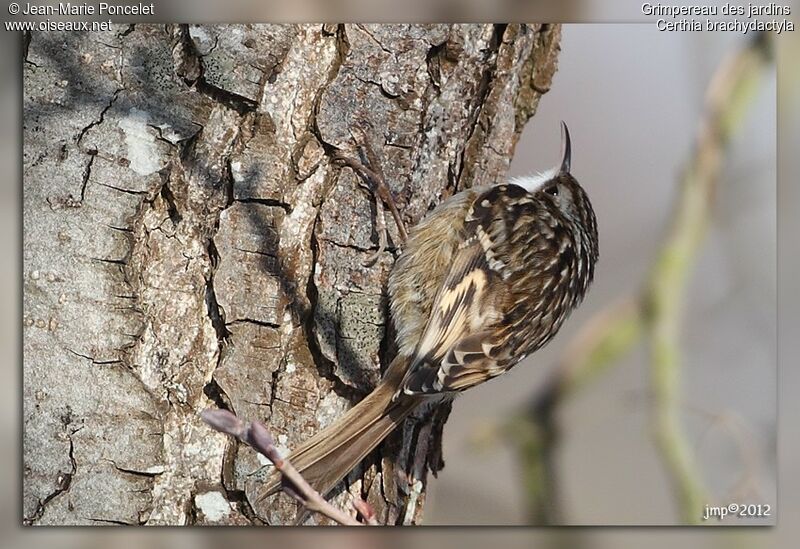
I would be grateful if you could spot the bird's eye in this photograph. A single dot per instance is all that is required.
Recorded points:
(552, 190)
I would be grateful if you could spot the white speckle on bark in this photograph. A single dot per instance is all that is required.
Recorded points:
(199, 33)
(168, 133)
(415, 490)
(331, 407)
(236, 171)
(155, 470)
(142, 151)
(213, 505)
(283, 449)
(202, 40)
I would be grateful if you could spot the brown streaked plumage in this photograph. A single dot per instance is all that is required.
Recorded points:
(487, 278)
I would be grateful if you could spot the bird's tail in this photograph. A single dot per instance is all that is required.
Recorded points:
(327, 457)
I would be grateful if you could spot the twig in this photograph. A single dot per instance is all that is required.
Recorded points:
(255, 434)
(380, 228)
(380, 181)
(374, 175)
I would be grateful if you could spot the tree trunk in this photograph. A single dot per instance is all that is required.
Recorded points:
(188, 243)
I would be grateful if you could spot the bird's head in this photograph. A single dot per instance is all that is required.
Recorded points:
(560, 187)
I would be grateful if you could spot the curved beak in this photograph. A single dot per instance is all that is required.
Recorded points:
(566, 149)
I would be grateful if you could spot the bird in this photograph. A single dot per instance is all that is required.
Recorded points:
(485, 279)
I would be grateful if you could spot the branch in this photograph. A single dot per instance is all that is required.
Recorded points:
(730, 92)
(255, 434)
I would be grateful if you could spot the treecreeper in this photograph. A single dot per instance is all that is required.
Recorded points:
(485, 279)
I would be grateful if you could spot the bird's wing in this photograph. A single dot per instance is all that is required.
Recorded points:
(459, 346)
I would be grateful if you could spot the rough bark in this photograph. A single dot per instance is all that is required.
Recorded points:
(189, 243)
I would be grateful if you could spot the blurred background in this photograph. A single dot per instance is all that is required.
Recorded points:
(632, 97)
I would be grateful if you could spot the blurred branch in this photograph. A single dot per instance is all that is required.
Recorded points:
(729, 94)
(653, 313)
